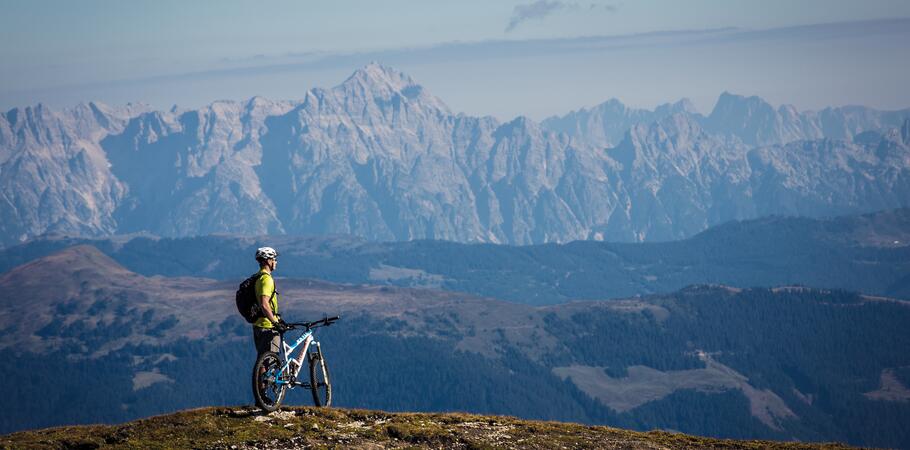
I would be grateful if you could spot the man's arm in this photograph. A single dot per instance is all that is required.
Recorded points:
(267, 308)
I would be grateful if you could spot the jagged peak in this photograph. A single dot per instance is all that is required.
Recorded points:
(615, 106)
(39, 110)
(788, 110)
(376, 74)
(676, 129)
(729, 103)
(261, 106)
(219, 108)
(611, 104)
(313, 97)
(524, 123)
(683, 105)
(12, 115)
(81, 106)
(39, 113)
(92, 107)
(102, 111)
(223, 102)
(384, 82)
(257, 101)
(521, 121)
(159, 120)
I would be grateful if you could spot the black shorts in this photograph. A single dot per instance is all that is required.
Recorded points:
(266, 340)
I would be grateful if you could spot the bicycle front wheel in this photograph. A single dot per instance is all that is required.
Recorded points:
(266, 390)
(319, 379)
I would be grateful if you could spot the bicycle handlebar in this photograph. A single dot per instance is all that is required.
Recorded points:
(324, 322)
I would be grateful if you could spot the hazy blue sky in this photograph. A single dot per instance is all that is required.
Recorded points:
(482, 57)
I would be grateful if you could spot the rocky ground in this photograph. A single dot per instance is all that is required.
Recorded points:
(305, 428)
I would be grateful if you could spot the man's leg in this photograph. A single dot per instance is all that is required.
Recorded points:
(263, 344)
(275, 342)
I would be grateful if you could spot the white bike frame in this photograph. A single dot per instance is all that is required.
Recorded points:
(306, 339)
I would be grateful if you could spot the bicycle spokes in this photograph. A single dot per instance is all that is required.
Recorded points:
(268, 383)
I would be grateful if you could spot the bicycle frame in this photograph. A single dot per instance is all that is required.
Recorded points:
(306, 339)
(274, 373)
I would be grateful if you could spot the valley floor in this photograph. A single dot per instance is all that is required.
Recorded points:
(303, 427)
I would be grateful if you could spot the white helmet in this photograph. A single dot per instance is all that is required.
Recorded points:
(263, 253)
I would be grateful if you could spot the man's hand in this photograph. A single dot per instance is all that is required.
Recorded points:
(280, 325)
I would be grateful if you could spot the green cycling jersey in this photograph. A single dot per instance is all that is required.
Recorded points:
(265, 285)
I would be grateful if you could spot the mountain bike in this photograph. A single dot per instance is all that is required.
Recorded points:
(274, 373)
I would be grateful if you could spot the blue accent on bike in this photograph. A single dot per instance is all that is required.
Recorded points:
(299, 341)
(286, 354)
(281, 378)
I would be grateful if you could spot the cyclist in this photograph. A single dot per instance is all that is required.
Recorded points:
(266, 328)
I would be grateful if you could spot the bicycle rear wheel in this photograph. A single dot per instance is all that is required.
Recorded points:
(266, 390)
(320, 384)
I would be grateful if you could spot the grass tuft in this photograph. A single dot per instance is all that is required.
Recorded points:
(305, 427)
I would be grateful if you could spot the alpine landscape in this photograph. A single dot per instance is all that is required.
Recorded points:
(610, 277)
(380, 157)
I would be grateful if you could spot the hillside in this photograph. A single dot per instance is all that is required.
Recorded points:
(866, 253)
(783, 363)
(292, 428)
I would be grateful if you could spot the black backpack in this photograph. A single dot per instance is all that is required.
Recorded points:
(247, 303)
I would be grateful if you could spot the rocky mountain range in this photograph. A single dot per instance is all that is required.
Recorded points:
(380, 157)
(750, 119)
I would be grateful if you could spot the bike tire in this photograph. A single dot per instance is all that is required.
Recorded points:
(266, 392)
(320, 383)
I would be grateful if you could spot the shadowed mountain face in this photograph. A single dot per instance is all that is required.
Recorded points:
(381, 158)
(758, 363)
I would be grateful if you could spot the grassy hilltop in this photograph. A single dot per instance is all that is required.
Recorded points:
(303, 427)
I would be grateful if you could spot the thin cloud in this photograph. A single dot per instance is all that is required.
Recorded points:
(543, 8)
(536, 10)
(604, 6)
(888, 32)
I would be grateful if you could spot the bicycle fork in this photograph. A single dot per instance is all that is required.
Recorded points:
(322, 367)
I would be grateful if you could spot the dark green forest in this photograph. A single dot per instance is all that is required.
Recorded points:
(830, 345)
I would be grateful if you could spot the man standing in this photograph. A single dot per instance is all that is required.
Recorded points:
(266, 328)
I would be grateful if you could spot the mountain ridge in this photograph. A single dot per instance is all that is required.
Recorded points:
(380, 157)
(866, 253)
(603, 124)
